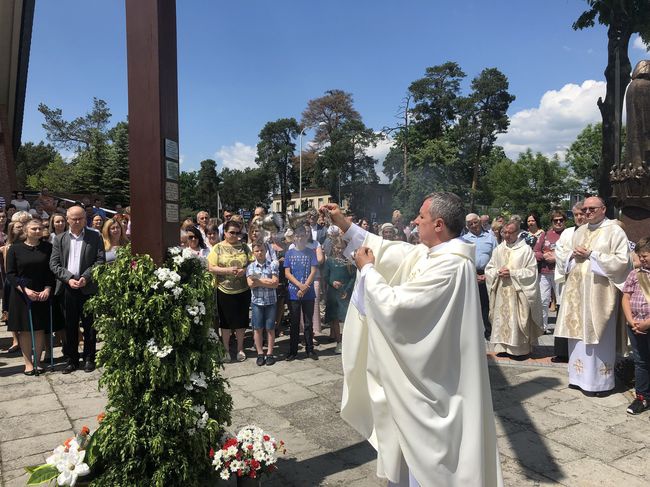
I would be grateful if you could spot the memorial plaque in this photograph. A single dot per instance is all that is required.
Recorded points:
(171, 191)
(171, 149)
(172, 213)
(171, 170)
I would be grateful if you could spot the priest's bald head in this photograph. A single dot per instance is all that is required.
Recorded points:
(441, 218)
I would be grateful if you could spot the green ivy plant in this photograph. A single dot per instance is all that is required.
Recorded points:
(161, 359)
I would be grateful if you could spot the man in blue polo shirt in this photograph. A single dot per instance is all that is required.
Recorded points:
(485, 243)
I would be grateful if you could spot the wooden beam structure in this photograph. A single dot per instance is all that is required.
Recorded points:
(153, 125)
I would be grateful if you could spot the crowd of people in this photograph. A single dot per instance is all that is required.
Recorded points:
(300, 280)
(48, 249)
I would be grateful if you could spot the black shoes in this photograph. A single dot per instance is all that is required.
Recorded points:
(89, 365)
(13, 349)
(290, 357)
(270, 360)
(260, 360)
(69, 368)
(312, 355)
(638, 405)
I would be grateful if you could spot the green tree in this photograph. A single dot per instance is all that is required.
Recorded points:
(245, 189)
(207, 187)
(187, 183)
(55, 176)
(328, 113)
(533, 183)
(116, 182)
(622, 18)
(30, 160)
(484, 115)
(275, 154)
(80, 133)
(88, 166)
(585, 155)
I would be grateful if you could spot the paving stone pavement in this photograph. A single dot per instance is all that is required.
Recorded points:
(547, 433)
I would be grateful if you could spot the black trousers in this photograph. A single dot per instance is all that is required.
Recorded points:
(73, 303)
(307, 309)
(485, 308)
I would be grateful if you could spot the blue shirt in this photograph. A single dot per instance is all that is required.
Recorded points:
(300, 262)
(263, 296)
(485, 243)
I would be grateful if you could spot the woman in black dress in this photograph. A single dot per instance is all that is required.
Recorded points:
(28, 273)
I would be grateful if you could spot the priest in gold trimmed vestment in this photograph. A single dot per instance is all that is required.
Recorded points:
(515, 302)
(595, 269)
(415, 373)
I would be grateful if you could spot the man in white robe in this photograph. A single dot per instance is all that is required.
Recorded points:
(562, 253)
(415, 372)
(515, 301)
(595, 270)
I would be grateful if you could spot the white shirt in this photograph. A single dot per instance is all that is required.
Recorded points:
(74, 254)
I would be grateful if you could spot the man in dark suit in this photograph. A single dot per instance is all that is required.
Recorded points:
(74, 255)
(318, 232)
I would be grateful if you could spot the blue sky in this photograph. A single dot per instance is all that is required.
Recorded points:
(243, 63)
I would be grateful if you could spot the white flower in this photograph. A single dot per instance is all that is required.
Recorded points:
(191, 431)
(71, 466)
(177, 291)
(164, 351)
(155, 285)
(188, 387)
(225, 474)
(169, 284)
(199, 379)
(231, 451)
(213, 335)
(197, 320)
(203, 420)
(56, 456)
(174, 250)
(178, 260)
(188, 254)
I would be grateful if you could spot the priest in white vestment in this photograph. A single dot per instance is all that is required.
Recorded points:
(595, 270)
(515, 301)
(416, 383)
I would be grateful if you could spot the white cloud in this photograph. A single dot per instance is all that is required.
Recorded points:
(181, 159)
(554, 125)
(237, 156)
(638, 44)
(380, 152)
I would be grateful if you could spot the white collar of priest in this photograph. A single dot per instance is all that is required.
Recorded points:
(594, 226)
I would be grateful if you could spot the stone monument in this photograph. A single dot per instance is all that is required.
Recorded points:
(631, 178)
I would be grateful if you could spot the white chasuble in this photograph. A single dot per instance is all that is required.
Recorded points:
(515, 302)
(590, 302)
(591, 291)
(415, 373)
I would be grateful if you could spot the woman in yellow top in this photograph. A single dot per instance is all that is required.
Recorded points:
(228, 261)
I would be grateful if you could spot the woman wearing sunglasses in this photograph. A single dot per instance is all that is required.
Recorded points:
(228, 261)
(545, 255)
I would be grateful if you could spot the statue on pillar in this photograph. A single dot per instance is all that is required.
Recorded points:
(631, 178)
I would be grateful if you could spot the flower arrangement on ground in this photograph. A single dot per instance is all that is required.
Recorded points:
(161, 359)
(68, 461)
(251, 453)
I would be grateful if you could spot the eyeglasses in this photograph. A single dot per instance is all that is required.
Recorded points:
(585, 209)
(233, 233)
(558, 220)
(191, 237)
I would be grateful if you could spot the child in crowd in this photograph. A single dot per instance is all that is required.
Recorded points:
(339, 274)
(263, 278)
(300, 266)
(636, 306)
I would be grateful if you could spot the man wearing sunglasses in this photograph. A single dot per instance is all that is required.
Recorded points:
(596, 268)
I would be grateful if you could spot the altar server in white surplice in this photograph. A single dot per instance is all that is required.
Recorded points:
(515, 302)
(415, 373)
(595, 271)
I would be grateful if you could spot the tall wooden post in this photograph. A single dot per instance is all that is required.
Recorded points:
(153, 125)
